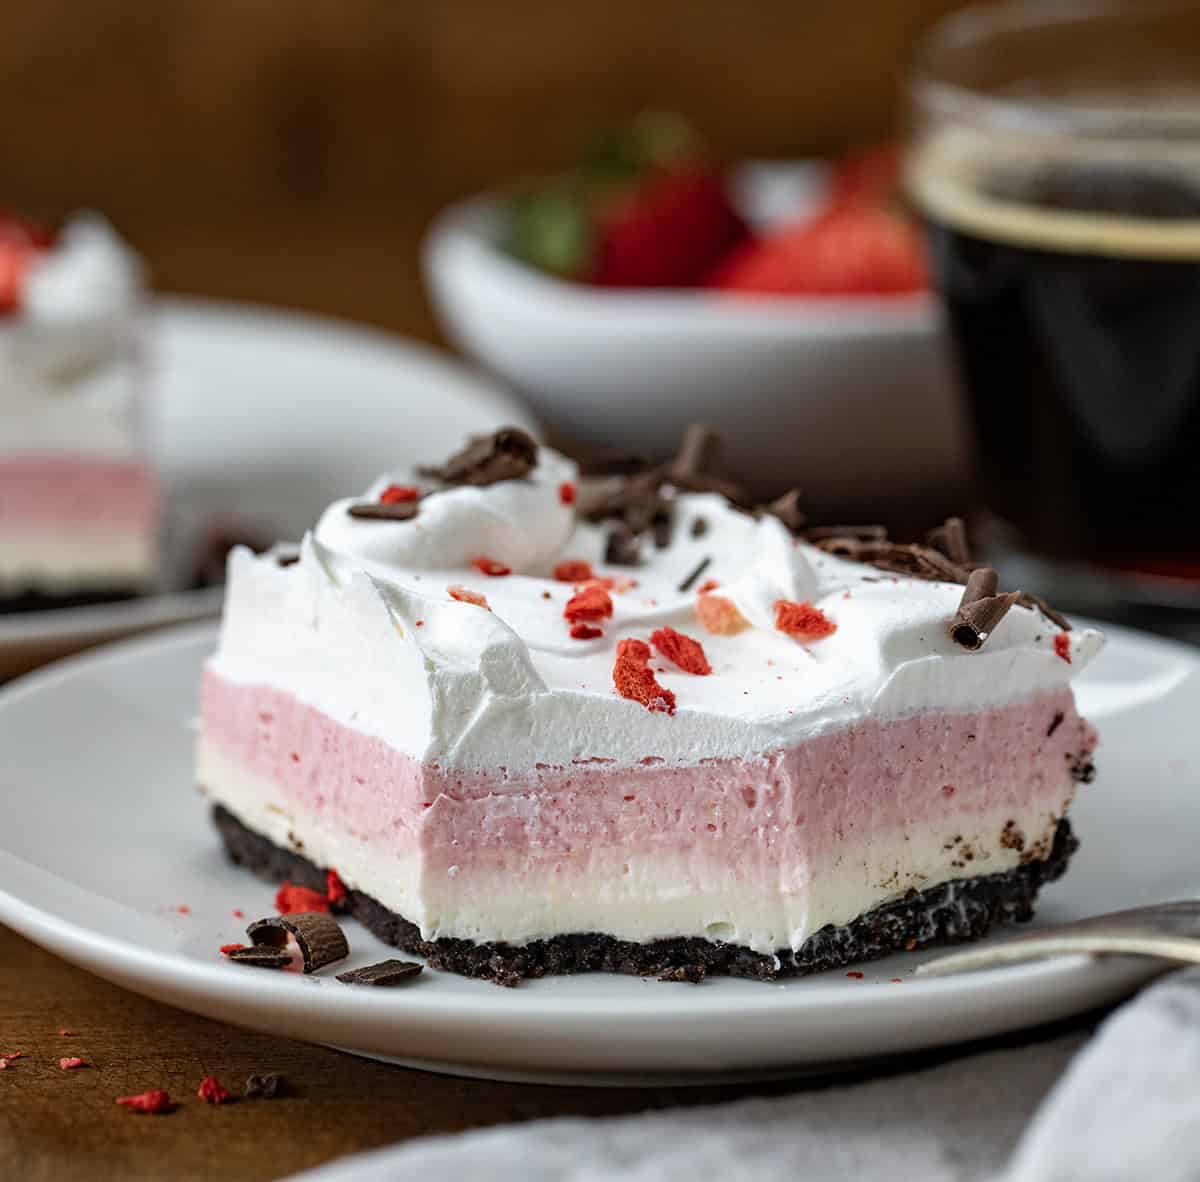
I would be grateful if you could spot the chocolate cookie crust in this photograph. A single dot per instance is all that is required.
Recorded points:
(947, 914)
(40, 601)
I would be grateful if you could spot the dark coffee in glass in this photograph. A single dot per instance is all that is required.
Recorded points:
(1064, 226)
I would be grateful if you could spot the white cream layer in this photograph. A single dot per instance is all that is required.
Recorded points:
(471, 688)
(61, 562)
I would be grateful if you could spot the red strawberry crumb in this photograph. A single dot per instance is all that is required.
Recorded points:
(291, 898)
(707, 586)
(802, 621)
(897, 981)
(634, 679)
(11, 1055)
(585, 632)
(3, 1064)
(420, 623)
(621, 585)
(589, 605)
(566, 492)
(72, 1063)
(335, 889)
(226, 949)
(720, 616)
(574, 570)
(183, 909)
(212, 1091)
(238, 913)
(855, 975)
(489, 566)
(153, 1102)
(1062, 646)
(628, 798)
(466, 595)
(398, 494)
(685, 652)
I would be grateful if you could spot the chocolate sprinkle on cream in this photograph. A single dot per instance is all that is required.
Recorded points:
(261, 957)
(695, 573)
(980, 609)
(384, 511)
(787, 509)
(699, 527)
(386, 972)
(507, 454)
(318, 935)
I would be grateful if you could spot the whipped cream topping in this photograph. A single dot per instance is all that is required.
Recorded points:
(363, 628)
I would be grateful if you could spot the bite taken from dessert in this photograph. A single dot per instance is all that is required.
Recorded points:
(79, 500)
(543, 721)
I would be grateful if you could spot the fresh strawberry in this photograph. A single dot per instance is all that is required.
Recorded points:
(853, 250)
(667, 232)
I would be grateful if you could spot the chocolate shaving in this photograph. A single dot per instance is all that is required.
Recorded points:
(318, 935)
(386, 972)
(695, 573)
(787, 509)
(264, 1087)
(381, 511)
(285, 558)
(622, 547)
(1025, 599)
(507, 454)
(951, 539)
(261, 957)
(664, 528)
(699, 527)
(912, 561)
(697, 451)
(980, 609)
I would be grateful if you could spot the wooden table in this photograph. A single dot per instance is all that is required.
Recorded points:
(64, 1124)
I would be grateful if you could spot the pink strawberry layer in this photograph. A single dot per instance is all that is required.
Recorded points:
(841, 819)
(39, 493)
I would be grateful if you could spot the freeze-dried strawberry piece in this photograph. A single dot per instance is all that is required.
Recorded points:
(72, 1063)
(212, 1091)
(687, 653)
(574, 570)
(335, 889)
(566, 492)
(634, 679)
(802, 621)
(585, 632)
(489, 566)
(399, 494)
(226, 949)
(1062, 646)
(154, 1102)
(720, 616)
(466, 595)
(291, 899)
(589, 605)
(707, 586)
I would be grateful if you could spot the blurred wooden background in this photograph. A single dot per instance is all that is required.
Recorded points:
(292, 151)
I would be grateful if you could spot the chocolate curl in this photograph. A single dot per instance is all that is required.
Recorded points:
(320, 938)
(1040, 605)
(697, 451)
(951, 539)
(980, 609)
(507, 454)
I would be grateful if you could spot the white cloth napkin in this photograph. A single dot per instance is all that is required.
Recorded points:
(1125, 1109)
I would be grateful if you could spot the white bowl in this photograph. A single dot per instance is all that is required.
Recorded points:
(850, 398)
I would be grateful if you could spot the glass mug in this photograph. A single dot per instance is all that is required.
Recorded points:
(1056, 162)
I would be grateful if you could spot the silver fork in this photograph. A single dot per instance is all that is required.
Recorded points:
(1163, 931)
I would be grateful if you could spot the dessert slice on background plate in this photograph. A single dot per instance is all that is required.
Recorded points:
(540, 725)
(79, 500)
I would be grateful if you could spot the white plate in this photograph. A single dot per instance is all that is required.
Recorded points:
(103, 838)
(266, 416)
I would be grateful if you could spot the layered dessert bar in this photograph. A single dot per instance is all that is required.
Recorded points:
(78, 499)
(540, 725)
